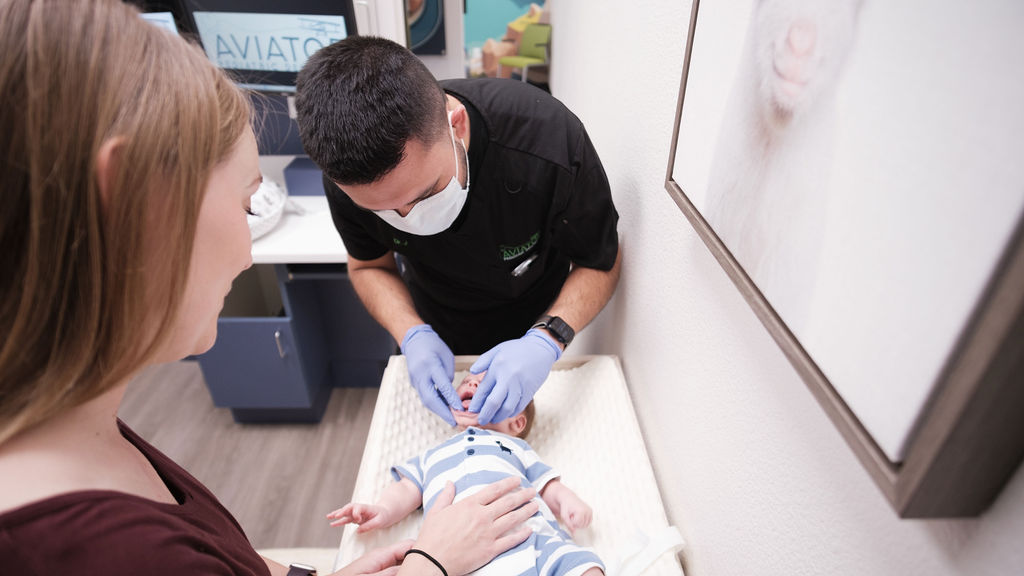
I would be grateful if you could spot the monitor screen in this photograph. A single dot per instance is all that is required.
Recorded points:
(164, 20)
(264, 43)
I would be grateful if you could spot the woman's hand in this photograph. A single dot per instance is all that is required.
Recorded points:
(378, 562)
(467, 535)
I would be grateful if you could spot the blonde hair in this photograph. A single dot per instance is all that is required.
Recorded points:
(92, 279)
(529, 412)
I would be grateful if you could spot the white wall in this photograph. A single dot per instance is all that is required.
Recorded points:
(750, 468)
(384, 18)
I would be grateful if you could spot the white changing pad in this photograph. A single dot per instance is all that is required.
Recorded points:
(585, 427)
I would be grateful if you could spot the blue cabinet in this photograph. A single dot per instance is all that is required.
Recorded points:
(287, 335)
(255, 364)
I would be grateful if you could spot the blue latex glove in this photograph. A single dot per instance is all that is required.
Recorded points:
(431, 370)
(515, 371)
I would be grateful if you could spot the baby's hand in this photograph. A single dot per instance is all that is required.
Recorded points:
(576, 514)
(367, 516)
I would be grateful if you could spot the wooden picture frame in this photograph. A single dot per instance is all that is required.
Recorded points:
(969, 437)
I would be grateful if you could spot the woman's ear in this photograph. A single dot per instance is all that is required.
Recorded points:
(107, 160)
(518, 424)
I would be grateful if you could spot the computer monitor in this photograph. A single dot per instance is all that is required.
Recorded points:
(264, 43)
(164, 20)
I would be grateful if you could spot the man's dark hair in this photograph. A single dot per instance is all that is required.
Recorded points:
(359, 101)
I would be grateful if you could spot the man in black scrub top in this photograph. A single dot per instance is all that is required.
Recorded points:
(493, 196)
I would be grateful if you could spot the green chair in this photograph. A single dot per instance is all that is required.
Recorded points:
(533, 50)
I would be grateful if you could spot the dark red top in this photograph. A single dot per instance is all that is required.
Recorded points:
(104, 533)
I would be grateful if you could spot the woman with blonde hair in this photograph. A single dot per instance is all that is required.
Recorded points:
(128, 161)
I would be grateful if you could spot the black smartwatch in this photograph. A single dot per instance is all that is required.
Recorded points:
(557, 328)
(295, 569)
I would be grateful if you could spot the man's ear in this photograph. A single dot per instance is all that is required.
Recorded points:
(518, 424)
(460, 118)
(107, 160)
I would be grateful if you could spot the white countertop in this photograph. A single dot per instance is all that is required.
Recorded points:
(309, 238)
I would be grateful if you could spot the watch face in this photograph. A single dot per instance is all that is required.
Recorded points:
(296, 569)
(564, 332)
(558, 328)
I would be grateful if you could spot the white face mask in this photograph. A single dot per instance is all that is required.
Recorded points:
(435, 214)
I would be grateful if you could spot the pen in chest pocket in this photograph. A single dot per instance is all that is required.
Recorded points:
(523, 266)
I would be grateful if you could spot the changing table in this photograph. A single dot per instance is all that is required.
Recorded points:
(585, 427)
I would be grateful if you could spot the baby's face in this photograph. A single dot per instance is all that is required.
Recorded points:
(466, 390)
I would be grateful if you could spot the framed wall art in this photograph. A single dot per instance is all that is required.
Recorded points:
(425, 19)
(855, 167)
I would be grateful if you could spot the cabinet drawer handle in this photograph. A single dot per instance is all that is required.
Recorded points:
(277, 339)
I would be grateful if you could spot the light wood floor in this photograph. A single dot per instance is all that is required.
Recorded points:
(278, 480)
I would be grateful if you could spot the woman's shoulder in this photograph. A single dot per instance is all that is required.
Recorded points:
(31, 476)
(37, 470)
(109, 532)
(84, 528)
(85, 512)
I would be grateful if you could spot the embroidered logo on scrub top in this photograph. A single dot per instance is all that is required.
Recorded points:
(402, 243)
(513, 252)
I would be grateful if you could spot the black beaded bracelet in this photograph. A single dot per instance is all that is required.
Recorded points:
(428, 557)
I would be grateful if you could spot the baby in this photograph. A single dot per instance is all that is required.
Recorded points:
(476, 456)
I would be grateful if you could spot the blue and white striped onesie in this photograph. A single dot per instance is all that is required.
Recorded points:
(475, 458)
